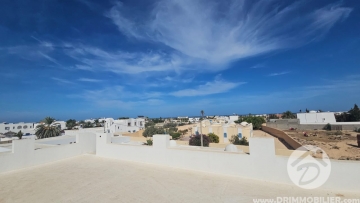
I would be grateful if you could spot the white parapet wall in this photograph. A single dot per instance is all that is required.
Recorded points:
(24, 154)
(262, 163)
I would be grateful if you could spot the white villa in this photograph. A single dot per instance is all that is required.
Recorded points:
(25, 127)
(124, 125)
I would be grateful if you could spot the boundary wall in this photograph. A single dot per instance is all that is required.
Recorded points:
(261, 164)
(282, 136)
(24, 154)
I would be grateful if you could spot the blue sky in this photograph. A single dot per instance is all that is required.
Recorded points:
(86, 59)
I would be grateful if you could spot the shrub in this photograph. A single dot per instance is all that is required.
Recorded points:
(149, 142)
(327, 127)
(254, 120)
(175, 136)
(150, 131)
(170, 125)
(19, 135)
(195, 140)
(236, 141)
(357, 130)
(213, 138)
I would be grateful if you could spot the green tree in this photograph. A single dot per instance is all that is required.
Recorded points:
(49, 129)
(288, 115)
(149, 123)
(237, 141)
(355, 113)
(150, 131)
(70, 124)
(195, 140)
(88, 125)
(327, 127)
(256, 121)
(273, 116)
(213, 138)
(19, 135)
(48, 120)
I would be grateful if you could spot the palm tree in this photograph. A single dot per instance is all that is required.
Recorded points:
(49, 128)
(202, 115)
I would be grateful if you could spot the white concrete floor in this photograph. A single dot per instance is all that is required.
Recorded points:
(88, 178)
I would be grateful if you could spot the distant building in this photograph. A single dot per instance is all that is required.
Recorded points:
(224, 130)
(25, 127)
(16, 127)
(316, 117)
(124, 125)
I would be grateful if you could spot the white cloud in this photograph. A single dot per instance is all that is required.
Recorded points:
(214, 87)
(96, 59)
(220, 32)
(64, 81)
(88, 80)
(280, 73)
(120, 97)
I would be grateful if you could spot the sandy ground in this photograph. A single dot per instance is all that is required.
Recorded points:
(336, 146)
(88, 178)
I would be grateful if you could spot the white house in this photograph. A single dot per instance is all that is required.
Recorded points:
(316, 117)
(124, 125)
(16, 127)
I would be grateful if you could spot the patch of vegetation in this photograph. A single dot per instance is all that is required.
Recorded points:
(327, 127)
(175, 135)
(213, 138)
(195, 140)
(237, 141)
(149, 142)
(288, 115)
(256, 121)
(170, 125)
(70, 124)
(357, 130)
(19, 135)
(150, 131)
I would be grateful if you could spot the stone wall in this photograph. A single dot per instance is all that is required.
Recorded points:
(285, 124)
(282, 136)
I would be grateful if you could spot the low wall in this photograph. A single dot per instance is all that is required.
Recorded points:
(286, 124)
(261, 164)
(281, 135)
(24, 154)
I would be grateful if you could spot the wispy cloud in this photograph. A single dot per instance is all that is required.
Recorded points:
(221, 32)
(89, 80)
(96, 59)
(213, 87)
(63, 81)
(257, 66)
(277, 74)
(120, 97)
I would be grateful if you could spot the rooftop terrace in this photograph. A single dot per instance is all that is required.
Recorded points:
(88, 178)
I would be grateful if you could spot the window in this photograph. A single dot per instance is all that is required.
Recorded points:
(135, 123)
(197, 132)
(225, 135)
(14, 127)
(19, 127)
(25, 126)
(240, 135)
(141, 124)
(129, 124)
(7, 128)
